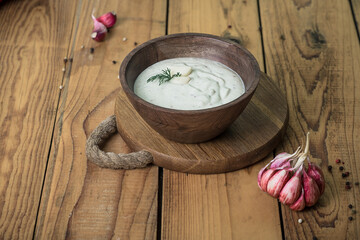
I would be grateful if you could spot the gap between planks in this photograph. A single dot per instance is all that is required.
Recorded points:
(355, 11)
(281, 220)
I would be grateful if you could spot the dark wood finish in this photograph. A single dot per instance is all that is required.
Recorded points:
(198, 125)
(250, 138)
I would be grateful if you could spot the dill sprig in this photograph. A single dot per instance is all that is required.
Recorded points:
(165, 76)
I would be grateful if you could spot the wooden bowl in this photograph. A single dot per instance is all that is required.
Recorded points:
(190, 126)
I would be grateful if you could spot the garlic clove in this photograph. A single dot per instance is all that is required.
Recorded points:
(260, 174)
(283, 159)
(180, 80)
(292, 189)
(300, 202)
(280, 160)
(265, 178)
(277, 182)
(108, 19)
(99, 31)
(183, 70)
(311, 189)
(315, 172)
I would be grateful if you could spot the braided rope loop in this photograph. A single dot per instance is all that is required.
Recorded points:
(109, 159)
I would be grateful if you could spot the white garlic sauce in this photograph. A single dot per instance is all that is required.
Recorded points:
(211, 84)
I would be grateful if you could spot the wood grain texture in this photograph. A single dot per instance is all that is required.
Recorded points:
(33, 43)
(235, 20)
(254, 134)
(218, 206)
(312, 49)
(81, 200)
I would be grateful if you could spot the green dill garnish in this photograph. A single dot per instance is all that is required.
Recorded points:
(165, 76)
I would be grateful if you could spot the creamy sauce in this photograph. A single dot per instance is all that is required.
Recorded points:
(211, 84)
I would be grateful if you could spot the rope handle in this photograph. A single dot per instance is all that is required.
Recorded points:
(109, 159)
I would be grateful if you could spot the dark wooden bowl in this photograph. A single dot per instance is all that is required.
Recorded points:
(190, 126)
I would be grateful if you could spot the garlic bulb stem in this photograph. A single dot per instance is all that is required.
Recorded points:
(303, 156)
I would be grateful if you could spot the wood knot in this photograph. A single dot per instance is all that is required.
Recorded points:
(314, 38)
(241, 40)
(301, 3)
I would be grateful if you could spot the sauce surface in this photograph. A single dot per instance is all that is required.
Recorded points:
(211, 84)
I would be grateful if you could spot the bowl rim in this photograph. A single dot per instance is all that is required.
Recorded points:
(128, 91)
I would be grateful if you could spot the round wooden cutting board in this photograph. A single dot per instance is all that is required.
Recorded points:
(256, 132)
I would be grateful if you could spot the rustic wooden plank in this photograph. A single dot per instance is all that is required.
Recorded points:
(33, 43)
(312, 49)
(81, 200)
(223, 206)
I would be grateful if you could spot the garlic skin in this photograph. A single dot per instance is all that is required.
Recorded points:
(277, 182)
(292, 189)
(311, 189)
(99, 32)
(315, 172)
(299, 205)
(282, 159)
(108, 19)
(98, 36)
(265, 178)
(260, 174)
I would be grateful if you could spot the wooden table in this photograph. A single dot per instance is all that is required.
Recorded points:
(48, 189)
